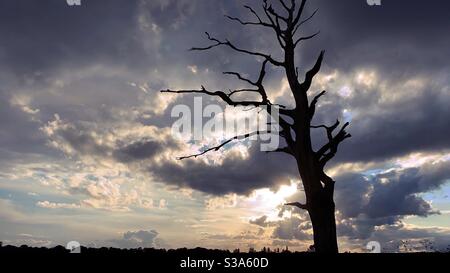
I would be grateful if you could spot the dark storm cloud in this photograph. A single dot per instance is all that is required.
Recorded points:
(391, 36)
(42, 35)
(84, 139)
(19, 134)
(392, 193)
(412, 126)
(138, 151)
(363, 227)
(384, 199)
(234, 175)
(21, 141)
(46, 36)
(398, 195)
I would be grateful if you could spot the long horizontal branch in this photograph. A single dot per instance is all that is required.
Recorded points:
(235, 48)
(226, 98)
(217, 148)
(306, 38)
(242, 22)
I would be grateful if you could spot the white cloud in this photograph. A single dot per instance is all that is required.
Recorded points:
(51, 205)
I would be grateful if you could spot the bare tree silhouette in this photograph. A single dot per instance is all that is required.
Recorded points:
(295, 124)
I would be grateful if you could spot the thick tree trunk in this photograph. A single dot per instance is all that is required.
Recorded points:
(322, 214)
(321, 208)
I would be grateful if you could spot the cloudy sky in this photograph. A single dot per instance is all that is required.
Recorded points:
(87, 154)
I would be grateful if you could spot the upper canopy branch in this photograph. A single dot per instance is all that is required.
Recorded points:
(242, 22)
(299, 14)
(294, 23)
(225, 97)
(304, 21)
(329, 150)
(258, 83)
(274, 19)
(235, 48)
(259, 23)
(312, 73)
(272, 14)
(260, 79)
(312, 107)
(285, 6)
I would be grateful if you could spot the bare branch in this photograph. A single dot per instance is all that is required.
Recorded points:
(269, 11)
(298, 205)
(232, 46)
(333, 142)
(242, 90)
(312, 107)
(311, 73)
(217, 148)
(299, 13)
(304, 21)
(239, 76)
(262, 74)
(288, 9)
(226, 98)
(285, 131)
(247, 23)
(259, 83)
(254, 12)
(306, 38)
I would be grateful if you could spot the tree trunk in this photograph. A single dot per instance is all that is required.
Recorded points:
(322, 213)
(320, 206)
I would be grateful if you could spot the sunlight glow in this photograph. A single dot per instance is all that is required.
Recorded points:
(419, 159)
(266, 201)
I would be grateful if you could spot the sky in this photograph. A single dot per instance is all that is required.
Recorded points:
(87, 152)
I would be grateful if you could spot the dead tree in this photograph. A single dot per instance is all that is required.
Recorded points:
(295, 124)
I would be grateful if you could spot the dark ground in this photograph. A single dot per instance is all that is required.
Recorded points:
(160, 260)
